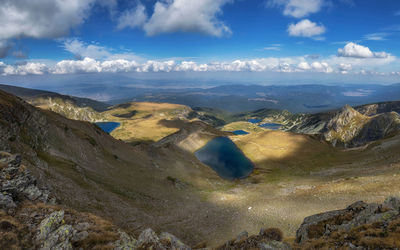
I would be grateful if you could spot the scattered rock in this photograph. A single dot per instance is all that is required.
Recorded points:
(269, 238)
(148, 239)
(49, 224)
(125, 242)
(274, 245)
(359, 225)
(17, 183)
(171, 242)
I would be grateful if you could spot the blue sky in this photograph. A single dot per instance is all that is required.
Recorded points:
(344, 37)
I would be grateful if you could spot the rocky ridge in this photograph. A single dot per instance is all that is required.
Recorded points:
(68, 108)
(347, 127)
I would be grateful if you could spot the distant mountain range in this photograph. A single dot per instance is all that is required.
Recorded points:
(296, 99)
(241, 97)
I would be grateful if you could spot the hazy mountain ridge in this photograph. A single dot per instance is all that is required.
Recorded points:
(76, 108)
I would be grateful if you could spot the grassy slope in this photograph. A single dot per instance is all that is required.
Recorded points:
(144, 124)
(242, 125)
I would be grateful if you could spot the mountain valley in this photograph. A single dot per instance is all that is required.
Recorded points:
(145, 173)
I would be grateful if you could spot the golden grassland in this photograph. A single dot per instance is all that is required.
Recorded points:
(144, 125)
(242, 125)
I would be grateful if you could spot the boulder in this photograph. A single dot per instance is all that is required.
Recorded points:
(274, 245)
(49, 224)
(125, 242)
(171, 242)
(357, 215)
(148, 239)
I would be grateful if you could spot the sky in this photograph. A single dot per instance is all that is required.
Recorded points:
(320, 39)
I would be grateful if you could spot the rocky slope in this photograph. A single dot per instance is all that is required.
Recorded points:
(379, 108)
(29, 219)
(348, 127)
(67, 107)
(76, 108)
(359, 226)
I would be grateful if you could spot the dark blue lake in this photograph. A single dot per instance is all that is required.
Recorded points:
(240, 132)
(254, 120)
(225, 158)
(274, 126)
(108, 126)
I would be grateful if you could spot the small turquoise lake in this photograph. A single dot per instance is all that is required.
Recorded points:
(274, 126)
(240, 132)
(254, 121)
(225, 158)
(108, 126)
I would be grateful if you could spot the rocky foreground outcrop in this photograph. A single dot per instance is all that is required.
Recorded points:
(30, 219)
(359, 226)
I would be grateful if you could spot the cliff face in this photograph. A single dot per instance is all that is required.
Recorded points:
(344, 126)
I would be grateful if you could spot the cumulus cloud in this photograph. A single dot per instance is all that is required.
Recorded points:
(81, 50)
(187, 16)
(297, 8)
(24, 69)
(321, 67)
(133, 18)
(41, 19)
(303, 66)
(306, 28)
(359, 51)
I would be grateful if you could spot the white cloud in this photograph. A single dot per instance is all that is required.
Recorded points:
(376, 36)
(81, 50)
(187, 16)
(303, 66)
(133, 18)
(321, 67)
(308, 64)
(359, 51)
(24, 69)
(297, 8)
(41, 19)
(306, 28)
